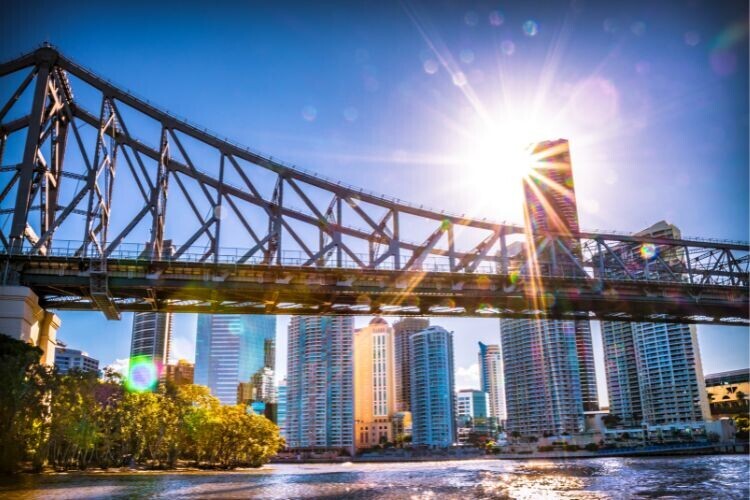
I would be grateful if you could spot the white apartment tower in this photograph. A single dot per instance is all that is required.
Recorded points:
(320, 392)
(654, 371)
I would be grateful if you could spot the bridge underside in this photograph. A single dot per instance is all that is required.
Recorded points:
(143, 285)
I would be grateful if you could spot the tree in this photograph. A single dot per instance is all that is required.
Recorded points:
(23, 411)
(611, 420)
(75, 421)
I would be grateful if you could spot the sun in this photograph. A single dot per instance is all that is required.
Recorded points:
(496, 160)
(501, 153)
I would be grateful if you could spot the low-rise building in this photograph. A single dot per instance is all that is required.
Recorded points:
(401, 425)
(728, 393)
(67, 359)
(181, 373)
(473, 420)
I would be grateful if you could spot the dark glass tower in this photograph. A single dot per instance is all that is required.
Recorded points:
(549, 364)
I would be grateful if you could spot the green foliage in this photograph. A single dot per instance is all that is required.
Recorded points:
(743, 428)
(591, 447)
(22, 402)
(76, 421)
(611, 420)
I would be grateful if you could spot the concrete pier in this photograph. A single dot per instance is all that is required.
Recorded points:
(22, 318)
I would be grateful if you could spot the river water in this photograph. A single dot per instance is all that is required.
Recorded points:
(722, 476)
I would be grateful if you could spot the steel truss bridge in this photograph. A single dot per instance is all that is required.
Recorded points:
(94, 190)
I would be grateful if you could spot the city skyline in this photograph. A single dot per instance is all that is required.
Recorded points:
(459, 249)
(645, 73)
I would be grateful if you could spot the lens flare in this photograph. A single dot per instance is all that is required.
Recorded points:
(143, 374)
(496, 18)
(508, 47)
(530, 28)
(649, 251)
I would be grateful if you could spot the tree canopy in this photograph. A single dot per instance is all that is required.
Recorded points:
(77, 421)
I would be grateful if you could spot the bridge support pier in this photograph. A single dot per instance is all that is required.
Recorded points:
(23, 319)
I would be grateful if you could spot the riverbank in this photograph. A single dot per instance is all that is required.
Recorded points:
(682, 449)
(686, 450)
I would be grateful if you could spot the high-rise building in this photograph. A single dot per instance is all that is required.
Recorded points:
(550, 206)
(374, 388)
(72, 359)
(402, 330)
(654, 372)
(230, 349)
(320, 393)
(152, 334)
(548, 364)
(182, 373)
(491, 379)
(281, 408)
(542, 377)
(432, 387)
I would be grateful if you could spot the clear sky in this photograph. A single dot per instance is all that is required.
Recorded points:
(409, 99)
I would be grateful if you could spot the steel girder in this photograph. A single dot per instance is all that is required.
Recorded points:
(355, 231)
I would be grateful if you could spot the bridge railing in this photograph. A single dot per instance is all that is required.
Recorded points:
(627, 267)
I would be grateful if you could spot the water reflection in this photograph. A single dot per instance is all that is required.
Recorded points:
(683, 477)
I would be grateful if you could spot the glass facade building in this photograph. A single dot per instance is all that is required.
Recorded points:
(320, 392)
(492, 379)
(472, 403)
(548, 364)
(432, 387)
(281, 409)
(230, 349)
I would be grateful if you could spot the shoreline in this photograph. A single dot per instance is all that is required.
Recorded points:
(693, 452)
(655, 451)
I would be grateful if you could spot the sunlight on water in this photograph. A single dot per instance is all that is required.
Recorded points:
(683, 477)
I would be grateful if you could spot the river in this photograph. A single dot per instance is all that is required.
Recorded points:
(720, 476)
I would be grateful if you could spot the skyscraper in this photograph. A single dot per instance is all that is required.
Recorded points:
(374, 388)
(402, 330)
(654, 372)
(281, 409)
(320, 393)
(230, 349)
(542, 377)
(152, 334)
(548, 364)
(491, 379)
(432, 387)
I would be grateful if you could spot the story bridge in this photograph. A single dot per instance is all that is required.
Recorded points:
(109, 203)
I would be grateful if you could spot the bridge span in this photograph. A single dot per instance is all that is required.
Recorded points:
(109, 203)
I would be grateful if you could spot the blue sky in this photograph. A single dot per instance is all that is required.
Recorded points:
(394, 98)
